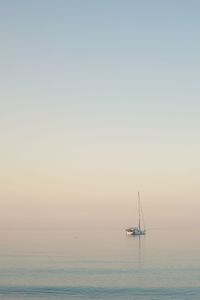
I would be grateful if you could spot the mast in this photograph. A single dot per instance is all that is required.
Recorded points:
(139, 208)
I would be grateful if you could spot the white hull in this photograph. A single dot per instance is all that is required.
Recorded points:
(135, 231)
(129, 233)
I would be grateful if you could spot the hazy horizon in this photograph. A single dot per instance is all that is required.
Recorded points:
(99, 100)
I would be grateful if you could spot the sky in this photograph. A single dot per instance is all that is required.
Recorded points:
(99, 100)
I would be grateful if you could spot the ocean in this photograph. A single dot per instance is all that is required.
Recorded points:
(99, 264)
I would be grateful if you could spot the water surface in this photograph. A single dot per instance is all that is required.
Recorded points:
(99, 264)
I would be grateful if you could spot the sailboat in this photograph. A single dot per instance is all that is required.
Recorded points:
(138, 230)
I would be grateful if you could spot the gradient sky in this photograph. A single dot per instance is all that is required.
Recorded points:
(99, 99)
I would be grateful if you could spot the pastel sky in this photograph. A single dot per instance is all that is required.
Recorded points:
(99, 99)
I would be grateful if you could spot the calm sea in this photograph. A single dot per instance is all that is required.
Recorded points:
(99, 264)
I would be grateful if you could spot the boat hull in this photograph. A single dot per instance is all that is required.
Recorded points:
(135, 231)
(139, 233)
(129, 232)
